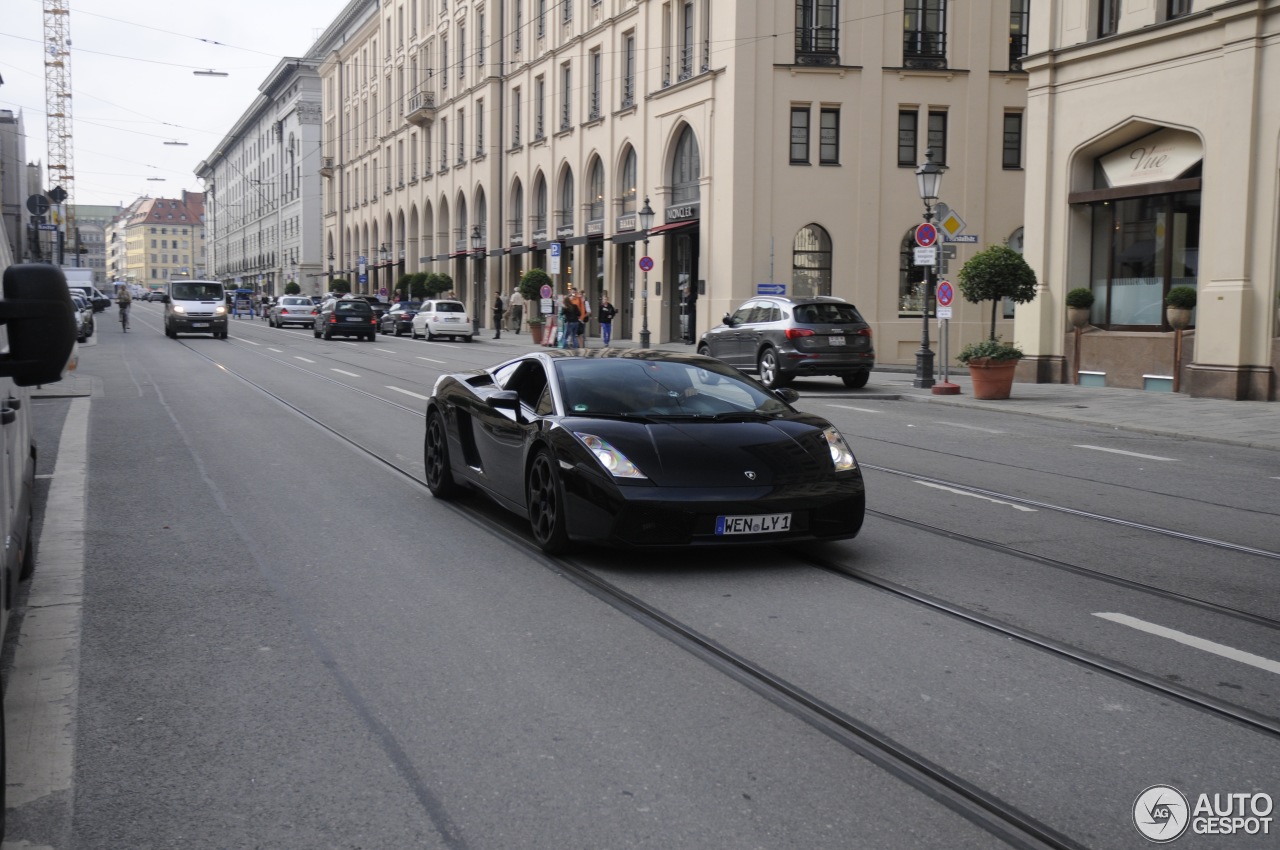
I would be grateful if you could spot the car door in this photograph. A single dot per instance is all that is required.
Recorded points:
(729, 343)
(501, 435)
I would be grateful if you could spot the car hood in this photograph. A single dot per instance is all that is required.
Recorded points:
(701, 453)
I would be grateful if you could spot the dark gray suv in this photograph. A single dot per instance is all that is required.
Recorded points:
(785, 338)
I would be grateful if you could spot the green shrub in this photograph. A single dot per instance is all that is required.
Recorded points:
(1181, 298)
(531, 282)
(292, 288)
(991, 349)
(1080, 297)
(340, 284)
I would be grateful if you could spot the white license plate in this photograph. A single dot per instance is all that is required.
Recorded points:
(354, 319)
(452, 319)
(199, 324)
(763, 524)
(835, 340)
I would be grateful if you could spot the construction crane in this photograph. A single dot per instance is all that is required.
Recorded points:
(57, 105)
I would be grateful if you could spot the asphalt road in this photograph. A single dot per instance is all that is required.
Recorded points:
(284, 641)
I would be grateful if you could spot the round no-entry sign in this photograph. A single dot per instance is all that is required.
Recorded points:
(545, 291)
(646, 264)
(945, 293)
(926, 235)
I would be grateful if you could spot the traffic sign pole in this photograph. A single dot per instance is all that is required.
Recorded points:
(945, 294)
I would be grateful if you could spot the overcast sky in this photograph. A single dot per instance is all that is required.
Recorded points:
(133, 87)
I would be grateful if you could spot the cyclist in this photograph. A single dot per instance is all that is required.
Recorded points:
(124, 300)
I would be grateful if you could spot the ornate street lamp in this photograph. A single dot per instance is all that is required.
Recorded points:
(646, 221)
(330, 289)
(477, 299)
(928, 181)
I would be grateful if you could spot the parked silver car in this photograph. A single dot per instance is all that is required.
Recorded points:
(83, 317)
(784, 338)
(292, 310)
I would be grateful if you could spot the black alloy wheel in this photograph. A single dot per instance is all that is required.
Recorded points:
(545, 497)
(435, 457)
(857, 380)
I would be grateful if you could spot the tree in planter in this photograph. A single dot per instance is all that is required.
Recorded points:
(418, 286)
(531, 283)
(340, 284)
(402, 286)
(996, 273)
(436, 284)
(292, 288)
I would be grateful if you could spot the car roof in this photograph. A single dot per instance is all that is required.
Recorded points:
(810, 299)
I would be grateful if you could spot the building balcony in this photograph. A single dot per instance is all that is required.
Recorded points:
(421, 108)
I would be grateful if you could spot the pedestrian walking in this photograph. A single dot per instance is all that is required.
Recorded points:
(606, 314)
(569, 322)
(498, 311)
(516, 309)
(578, 340)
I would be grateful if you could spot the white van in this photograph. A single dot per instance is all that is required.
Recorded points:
(195, 307)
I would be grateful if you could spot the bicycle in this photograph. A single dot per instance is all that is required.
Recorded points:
(124, 317)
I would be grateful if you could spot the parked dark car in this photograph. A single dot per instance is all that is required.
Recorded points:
(399, 319)
(292, 310)
(782, 338)
(345, 317)
(640, 448)
(379, 306)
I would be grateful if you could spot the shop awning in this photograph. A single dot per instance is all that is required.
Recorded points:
(673, 227)
(632, 236)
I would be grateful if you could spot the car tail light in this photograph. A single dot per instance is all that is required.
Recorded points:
(333, 320)
(863, 332)
(796, 333)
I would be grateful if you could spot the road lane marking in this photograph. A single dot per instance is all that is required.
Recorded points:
(969, 427)
(1013, 505)
(348, 374)
(1130, 454)
(303, 359)
(407, 392)
(276, 350)
(251, 342)
(1193, 641)
(859, 409)
(385, 350)
(429, 360)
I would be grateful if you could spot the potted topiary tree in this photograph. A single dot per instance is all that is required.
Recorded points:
(531, 283)
(1178, 305)
(1079, 306)
(993, 274)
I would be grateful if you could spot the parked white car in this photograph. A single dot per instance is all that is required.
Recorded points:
(443, 318)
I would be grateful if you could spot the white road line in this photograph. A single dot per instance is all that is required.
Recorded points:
(859, 409)
(251, 342)
(969, 427)
(303, 359)
(1193, 641)
(407, 392)
(385, 350)
(1016, 507)
(276, 350)
(348, 374)
(429, 360)
(1130, 454)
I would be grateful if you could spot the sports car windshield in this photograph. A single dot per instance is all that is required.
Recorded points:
(661, 389)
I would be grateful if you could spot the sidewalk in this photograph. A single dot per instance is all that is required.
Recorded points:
(1255, 424)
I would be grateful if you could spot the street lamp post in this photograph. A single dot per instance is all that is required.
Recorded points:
(384, 260)
(330, 289)
(477, 299)
(646, 221)
(928, 180)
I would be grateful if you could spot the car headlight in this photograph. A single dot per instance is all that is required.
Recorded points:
(614, 461)
(220, 309)
(841, 454)
(178, 308)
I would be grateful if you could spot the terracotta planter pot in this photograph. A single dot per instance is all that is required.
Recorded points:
(535, 331)
(992, 379)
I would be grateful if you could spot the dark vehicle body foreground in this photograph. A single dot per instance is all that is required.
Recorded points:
(641, 448)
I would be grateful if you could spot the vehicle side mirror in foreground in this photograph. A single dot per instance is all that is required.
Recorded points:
(164, 299)
(505, 400)
(37, 311)
(728, 320)
(787, 394)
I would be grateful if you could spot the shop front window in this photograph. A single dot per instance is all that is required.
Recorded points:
(1142, 247)
(811, 262)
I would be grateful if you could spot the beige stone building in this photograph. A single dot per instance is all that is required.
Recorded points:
(1154, 139)
(776, 142)
(157, 239)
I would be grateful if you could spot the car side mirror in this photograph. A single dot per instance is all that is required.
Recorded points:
(728, 320)
(506, 400)
(787, 394)
(38, 312)
(164, 299)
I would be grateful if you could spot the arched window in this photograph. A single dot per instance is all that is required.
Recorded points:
(538, 218)
(482, 217)
(565, 211)
(627, 185)
(516, 224)
(811, 262)
(595, 201)
(686, 169)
